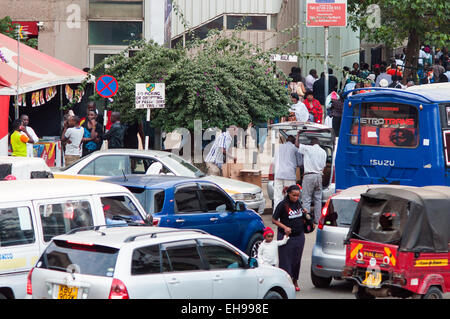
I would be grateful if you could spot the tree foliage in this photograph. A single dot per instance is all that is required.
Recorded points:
(7, 27)
(221, 81)
(414, 20)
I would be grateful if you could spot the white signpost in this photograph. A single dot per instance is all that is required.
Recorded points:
(150, 96)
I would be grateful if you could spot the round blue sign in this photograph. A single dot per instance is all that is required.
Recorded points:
(106, 86)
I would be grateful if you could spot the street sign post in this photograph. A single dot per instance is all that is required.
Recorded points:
(150, 96)
(326, 13)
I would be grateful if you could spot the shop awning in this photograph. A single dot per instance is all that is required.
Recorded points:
(37, 70)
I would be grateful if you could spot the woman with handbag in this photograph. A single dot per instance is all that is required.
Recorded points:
(292, 220)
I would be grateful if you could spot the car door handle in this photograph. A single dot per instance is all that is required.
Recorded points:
(174, 281)
(180, 221)
(214, 219)
(217, 278)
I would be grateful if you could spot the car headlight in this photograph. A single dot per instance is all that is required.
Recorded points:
(247, 196)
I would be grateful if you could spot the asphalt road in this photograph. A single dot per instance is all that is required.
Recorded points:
(339, 289)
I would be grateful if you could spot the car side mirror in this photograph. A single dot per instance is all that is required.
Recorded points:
(252, 262)
(240, 207)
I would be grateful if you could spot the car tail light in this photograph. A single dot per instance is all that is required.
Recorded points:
(271, 176)
(29, 285)
(333, 180)
(324, 214)
(118, 290)
(156, 221)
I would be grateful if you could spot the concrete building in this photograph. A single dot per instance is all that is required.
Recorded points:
(267, 19)
(83, 32)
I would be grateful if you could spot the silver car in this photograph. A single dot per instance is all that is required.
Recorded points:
(118, 162)
(328, 255)
(326, 138)
(151, 262)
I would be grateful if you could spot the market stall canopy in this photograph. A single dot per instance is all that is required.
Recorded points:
(37, 70)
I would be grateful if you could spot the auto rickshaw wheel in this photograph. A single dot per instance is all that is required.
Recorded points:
(363, 294)
(433, 293)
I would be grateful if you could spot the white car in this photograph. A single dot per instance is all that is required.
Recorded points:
(24, 167)
(151, 262)
(118, 162)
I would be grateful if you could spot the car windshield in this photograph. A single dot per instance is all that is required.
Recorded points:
(184, 168)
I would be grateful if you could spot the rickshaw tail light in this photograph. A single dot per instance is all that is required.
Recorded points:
(399, 279)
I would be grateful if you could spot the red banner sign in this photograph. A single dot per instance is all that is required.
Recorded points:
(326, 13)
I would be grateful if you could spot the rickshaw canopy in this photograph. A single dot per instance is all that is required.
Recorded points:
(417, 219)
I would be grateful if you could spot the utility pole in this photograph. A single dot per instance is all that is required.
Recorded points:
(325, 64)
(19, 36)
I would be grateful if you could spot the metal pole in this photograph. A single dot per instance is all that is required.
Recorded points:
(147, 138)
(18, 74)
(325, 65)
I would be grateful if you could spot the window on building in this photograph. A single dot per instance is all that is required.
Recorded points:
(251, 22)
(114, 32)
(129, 9)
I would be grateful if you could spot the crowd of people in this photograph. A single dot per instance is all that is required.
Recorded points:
(80, 135)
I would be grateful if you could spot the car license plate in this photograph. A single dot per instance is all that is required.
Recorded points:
(373, 279)
(66, 292)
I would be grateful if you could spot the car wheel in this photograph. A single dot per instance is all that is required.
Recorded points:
(320, 282)
(253, 245)
(433, 293)
(273, 295)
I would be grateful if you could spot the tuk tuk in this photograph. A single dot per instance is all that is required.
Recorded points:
(398, 243)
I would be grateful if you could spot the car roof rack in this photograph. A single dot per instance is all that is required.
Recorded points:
(97, 227)
(153, 235)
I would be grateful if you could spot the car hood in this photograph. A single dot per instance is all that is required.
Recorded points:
(233, 186)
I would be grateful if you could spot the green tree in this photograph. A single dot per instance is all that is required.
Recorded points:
(416, 21)
(220, 81)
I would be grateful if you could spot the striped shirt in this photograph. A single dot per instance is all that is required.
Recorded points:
(215, 155)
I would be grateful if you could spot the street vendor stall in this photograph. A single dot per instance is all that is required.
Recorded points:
(37, 85)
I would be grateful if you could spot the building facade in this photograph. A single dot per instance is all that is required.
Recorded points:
(84, 32)
(271, 24)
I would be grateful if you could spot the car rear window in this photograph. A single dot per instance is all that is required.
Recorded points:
(344, 208)
(86, 259)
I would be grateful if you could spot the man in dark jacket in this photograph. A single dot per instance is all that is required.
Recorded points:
(319, 86)
(116, 134)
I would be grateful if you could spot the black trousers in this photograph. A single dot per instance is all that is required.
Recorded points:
(290, 255)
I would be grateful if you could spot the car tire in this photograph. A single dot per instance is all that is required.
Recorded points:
(320, 282)
(433, 293)
(253, 245)
(273, 295)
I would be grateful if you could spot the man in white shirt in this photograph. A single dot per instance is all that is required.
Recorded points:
(73, 135)
(34, 138)
(299, 108)
(286, 160)
(220, 149)
(310, 79)
(314, 161)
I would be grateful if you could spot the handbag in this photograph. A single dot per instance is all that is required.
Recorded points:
(308, 226)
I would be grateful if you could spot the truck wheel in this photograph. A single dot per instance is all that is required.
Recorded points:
(433, 293)
(253, 245)
(320, 282)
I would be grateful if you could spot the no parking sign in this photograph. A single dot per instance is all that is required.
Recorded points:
(106, 86)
